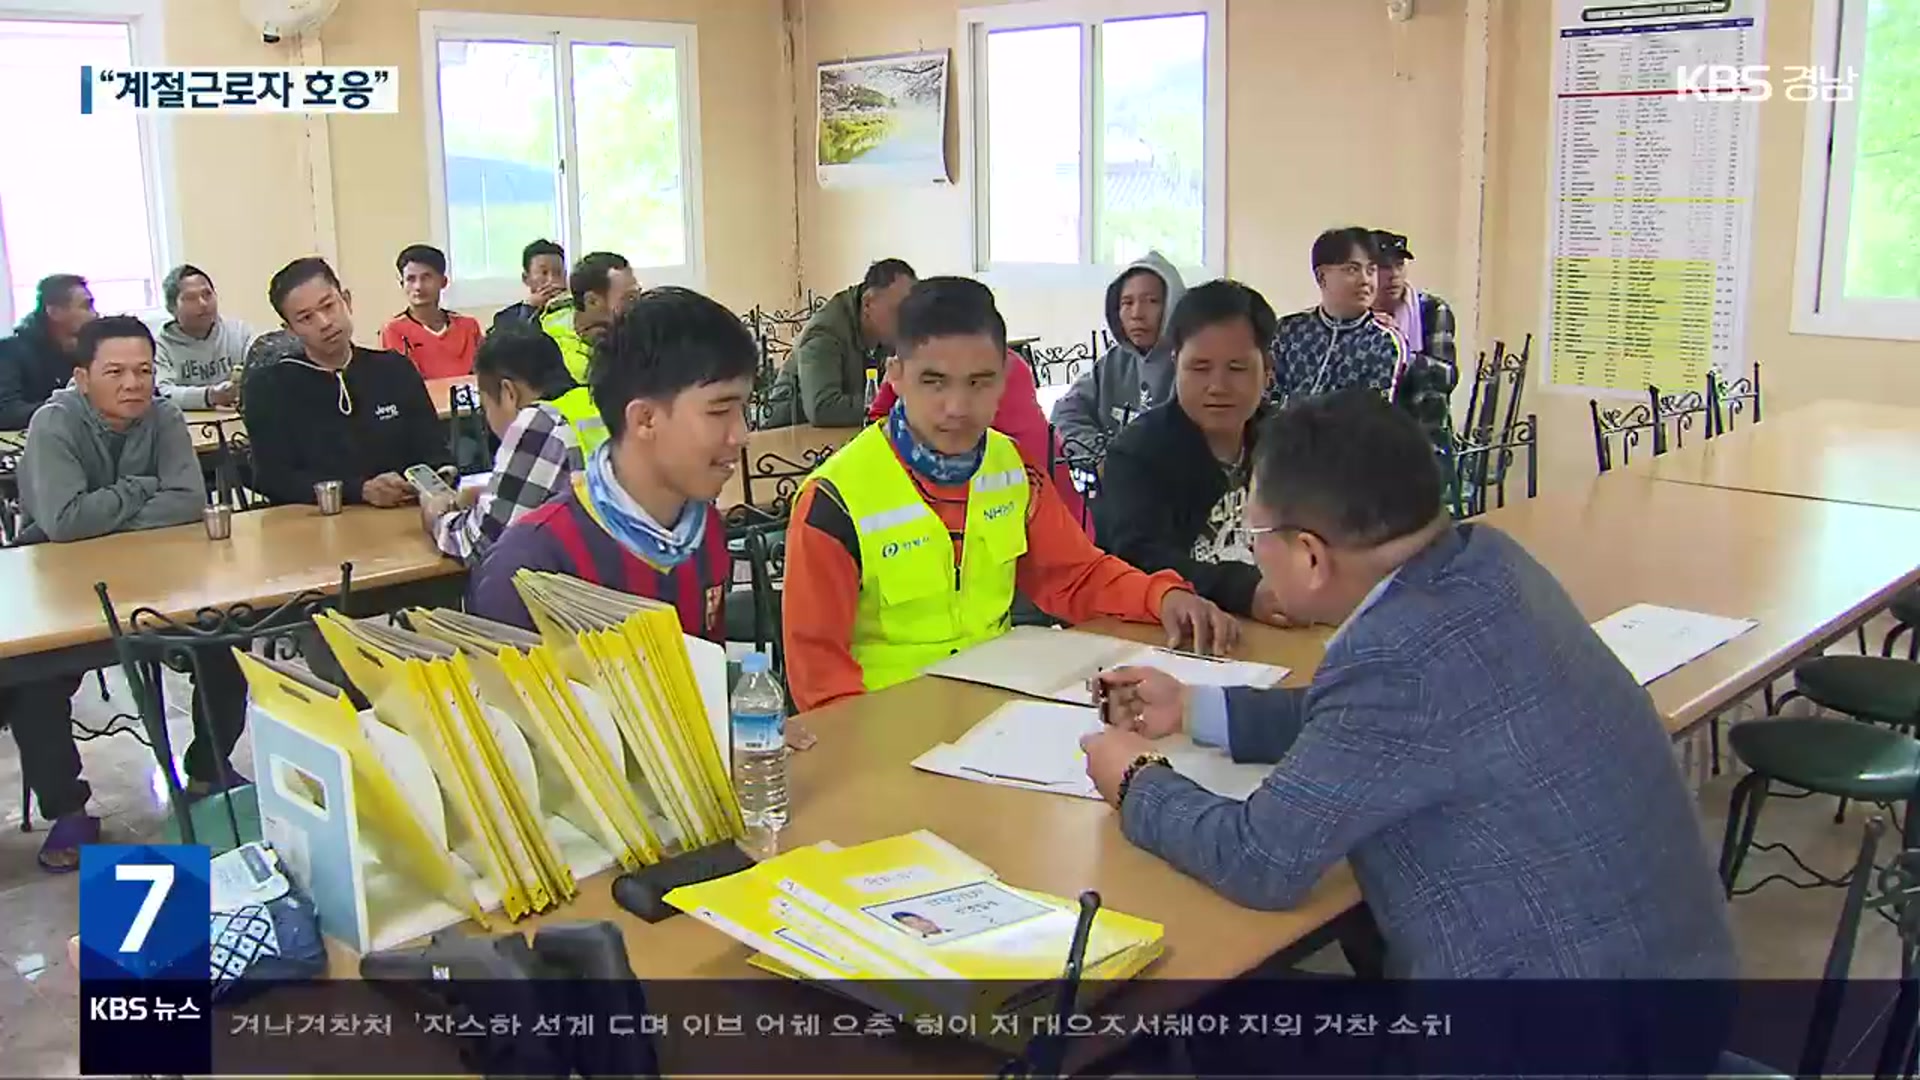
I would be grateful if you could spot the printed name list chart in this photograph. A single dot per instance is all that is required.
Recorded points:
(1651, 212)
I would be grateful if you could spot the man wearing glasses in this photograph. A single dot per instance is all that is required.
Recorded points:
(1337, 343)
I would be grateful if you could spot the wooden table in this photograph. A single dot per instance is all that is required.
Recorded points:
(1838, 451)
(51, 609)
(857, 784)
(1808, 570)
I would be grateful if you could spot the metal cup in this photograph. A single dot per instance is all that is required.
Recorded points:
(219, 522)
(326, 495)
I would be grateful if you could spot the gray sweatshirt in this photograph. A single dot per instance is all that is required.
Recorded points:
(186, 367)
(1122, 384)
(80, 479)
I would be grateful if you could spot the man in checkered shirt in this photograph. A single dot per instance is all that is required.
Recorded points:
(544, 422)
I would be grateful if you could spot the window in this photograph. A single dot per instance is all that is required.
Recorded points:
(1859, 269)
(583, 131)
(78, 194)
(1094, 131)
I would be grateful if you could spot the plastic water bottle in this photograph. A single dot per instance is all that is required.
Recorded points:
(873, 386)
(759, 715)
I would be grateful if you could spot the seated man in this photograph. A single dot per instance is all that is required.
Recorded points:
(1504, 789)
(1137, 373)
(101, 458)
(671, 382)
(335, 411)
(908, 544)
(1175, 481)
(543, 270)
(1424, 323)
(199, 350)
(824, 382)
(601, 286)
(439, 342)
(39, 358)
(1338, 343)
(546, 426)
(1019, 418)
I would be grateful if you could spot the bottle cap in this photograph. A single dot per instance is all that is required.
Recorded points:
(754, 663)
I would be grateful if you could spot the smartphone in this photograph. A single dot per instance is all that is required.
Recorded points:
(427, 482)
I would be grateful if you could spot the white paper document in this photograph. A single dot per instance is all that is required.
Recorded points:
(1036, 745)
(1056, 664)
(1652, 640)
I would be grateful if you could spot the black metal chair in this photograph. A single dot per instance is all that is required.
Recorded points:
(469, 440)
(1505, 370)
(1662, 420)
(1057, 364)
(756, 536)
(9, 494)
(1481, 470)
(1728, 400)
(1083, 467)
(149, 640)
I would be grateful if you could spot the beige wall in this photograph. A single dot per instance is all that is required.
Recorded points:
(243, 183)
(1795, 368)
(1333, 117)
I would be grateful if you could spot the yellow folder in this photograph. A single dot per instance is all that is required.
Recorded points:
(386, 817)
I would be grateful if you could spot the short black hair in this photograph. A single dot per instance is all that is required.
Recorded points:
(426, 255)
(1336, 246)
(538, 248)
(668, 340)
(939, 307)
(1348, 466)
(887, 271)
(1222, 301)
(295, 274)
(525, 354)
(106, 328)
(176, 277)
(594, 274)
(55, 290)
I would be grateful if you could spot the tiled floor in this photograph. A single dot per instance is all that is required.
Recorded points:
(1783, 932)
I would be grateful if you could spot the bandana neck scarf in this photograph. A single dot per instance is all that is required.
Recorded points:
(925, 460)
(632, 526)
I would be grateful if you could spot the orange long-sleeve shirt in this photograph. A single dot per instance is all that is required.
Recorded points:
(1062, 572)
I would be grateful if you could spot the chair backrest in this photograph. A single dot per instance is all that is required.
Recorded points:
(1483, 469)
(770, 481)
(1083, 467)
(1057, 364)
(469, 440)
(1503, 375)
(1661, 419)
(1729, 399)
(9, 495)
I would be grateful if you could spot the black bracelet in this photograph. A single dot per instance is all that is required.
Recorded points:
(1133, 770)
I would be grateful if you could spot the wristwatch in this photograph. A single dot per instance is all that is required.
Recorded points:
(1133, 770)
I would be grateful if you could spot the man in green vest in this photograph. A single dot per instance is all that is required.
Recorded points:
(909, 544)
(599, 289)
(546, 425)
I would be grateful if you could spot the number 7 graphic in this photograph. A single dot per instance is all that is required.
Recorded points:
(159, 879)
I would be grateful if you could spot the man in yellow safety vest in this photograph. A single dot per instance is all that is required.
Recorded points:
(909, 544)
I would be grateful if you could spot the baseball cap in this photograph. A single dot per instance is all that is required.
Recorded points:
(1391, 247)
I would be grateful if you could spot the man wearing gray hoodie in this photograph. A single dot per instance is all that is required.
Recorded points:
(106, 456)
(198, 350)
(1137, 373)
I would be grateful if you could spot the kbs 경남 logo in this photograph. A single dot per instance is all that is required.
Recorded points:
(1755, 82)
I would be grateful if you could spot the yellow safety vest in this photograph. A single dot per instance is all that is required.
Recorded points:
(575, 350)
(915, 608)
(577, 406)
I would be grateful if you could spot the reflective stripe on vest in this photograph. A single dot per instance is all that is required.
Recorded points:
(915, 608)
(578, 408)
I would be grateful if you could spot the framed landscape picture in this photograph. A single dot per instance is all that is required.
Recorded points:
(883, 121)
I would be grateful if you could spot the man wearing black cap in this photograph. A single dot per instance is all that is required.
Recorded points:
(1424, 324)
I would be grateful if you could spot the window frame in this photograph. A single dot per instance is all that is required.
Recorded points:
(1821, 306)
(562, 32)
(975, 172)
(146, 35)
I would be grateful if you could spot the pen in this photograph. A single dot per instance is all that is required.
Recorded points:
(1015, 779)
(1196, 656)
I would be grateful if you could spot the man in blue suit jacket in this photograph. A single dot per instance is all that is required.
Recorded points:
(1505, 791)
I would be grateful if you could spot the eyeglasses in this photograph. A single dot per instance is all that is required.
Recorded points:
(1255, 532)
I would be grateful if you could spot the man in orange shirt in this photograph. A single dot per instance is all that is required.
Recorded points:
(909, 543)
(440, 343)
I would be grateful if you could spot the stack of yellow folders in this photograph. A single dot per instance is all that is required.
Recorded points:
(913, 926)
(626, 657)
